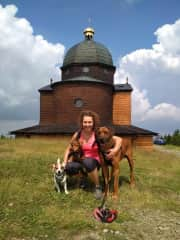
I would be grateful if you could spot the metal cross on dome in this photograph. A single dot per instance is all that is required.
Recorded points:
(89, 21)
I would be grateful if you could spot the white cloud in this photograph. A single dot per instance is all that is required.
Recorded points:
(27, 62)
(168, 38)
(163, 111)
(155, 76)
(140, 104)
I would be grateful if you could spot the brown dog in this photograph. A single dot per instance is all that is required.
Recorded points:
(76, 152)
(106, 142)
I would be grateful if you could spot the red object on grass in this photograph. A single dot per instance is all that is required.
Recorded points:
(104, 215)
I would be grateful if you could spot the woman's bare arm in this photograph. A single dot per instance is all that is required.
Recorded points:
(113, 151)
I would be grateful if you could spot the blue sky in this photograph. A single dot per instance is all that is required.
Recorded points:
(122, 25)
(142, 35)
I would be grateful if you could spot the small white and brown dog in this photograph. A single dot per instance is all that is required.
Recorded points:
(60, 177)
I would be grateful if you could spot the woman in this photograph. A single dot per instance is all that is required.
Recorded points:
(91, 160)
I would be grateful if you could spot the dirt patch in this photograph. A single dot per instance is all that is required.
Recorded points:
(171, 151)
(152, 225)
(146, 225)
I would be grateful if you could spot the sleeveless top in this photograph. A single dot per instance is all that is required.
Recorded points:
(90, 148)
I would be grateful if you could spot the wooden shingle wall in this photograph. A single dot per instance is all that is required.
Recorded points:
(47, 109)
(58, 106)
(94, 71)
(122, 108)
(143, 142)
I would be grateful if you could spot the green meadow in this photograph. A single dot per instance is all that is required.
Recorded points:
(30, 208)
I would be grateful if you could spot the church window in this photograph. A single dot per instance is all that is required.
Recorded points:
(78, 102)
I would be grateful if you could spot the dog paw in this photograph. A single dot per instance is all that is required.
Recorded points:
(57, 190)
(106, 194)
(115, 196)
(66, 192)
(132, 185)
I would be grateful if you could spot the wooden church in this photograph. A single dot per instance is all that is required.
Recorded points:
(87, 83)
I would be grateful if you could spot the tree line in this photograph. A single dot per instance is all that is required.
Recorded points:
(173, 139)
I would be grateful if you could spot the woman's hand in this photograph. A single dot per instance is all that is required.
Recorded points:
(111, 153)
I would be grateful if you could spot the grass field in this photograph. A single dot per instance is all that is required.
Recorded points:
(30, 209)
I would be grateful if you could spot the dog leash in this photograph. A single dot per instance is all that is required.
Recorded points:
(103, 214)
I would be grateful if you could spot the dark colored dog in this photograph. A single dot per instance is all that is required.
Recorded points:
(75, 151)
(106, 142)
(76, 155)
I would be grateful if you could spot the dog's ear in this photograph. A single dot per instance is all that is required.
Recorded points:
(111, 130)
(63, 164)
(58, 161)
(97, 131)
(58, 165)
(53, 167)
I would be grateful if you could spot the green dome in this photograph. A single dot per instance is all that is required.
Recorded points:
(88, 51)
